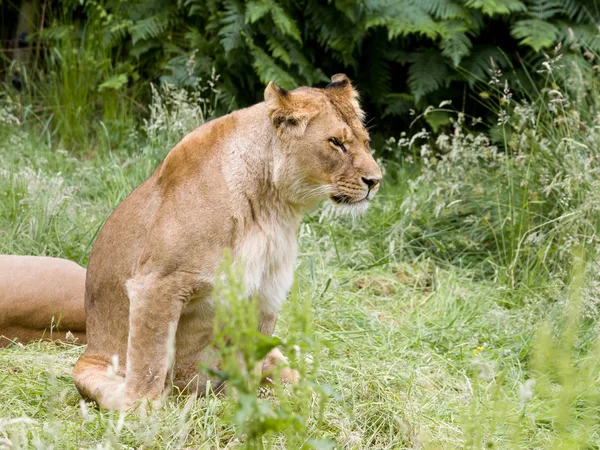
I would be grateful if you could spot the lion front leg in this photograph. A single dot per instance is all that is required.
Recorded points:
(274, 358)
(271, 296)
(156, 304)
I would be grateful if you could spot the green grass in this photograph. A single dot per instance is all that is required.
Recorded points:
(459, 312)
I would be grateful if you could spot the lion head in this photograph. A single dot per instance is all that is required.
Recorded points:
(325, 143)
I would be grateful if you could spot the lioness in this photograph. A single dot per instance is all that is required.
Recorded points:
(240, 182)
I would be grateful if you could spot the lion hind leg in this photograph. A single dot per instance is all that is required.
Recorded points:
(97, 379)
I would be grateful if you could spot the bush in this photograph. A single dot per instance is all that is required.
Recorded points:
(402, 54)
(517, 200)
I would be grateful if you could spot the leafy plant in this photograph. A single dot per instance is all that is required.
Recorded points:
(402, 54)
(241, 348)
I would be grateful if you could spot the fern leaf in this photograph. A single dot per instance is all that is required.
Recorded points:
(256, 10)
(581, 11)
(427, 73)
(571, 8)
(493, 7)
(284, 23)
(331, 31)
(545, 9)
(535, 33)
(443, 9)
(278, 50)
(401, 18)
(580, 35)
(456, 47)
(352, 9)
(144, 29)
(398, 104)
(310, 74)
(478, 64)
(268, 70)
(141, 47)
(377, 81)
(455, 42)
(232, 25)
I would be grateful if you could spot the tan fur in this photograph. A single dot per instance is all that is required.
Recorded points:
(240, 182)
(41, 298)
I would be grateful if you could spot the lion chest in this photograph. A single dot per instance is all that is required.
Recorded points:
(266, 257)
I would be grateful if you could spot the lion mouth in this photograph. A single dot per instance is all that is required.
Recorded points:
(344, 200)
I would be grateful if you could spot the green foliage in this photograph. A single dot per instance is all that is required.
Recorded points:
(427, 73)
(410, 53)
(242, 348)
(536, 33)
(492, 7)
(520, 199)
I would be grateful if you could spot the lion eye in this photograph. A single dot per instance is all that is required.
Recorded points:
(337, 143)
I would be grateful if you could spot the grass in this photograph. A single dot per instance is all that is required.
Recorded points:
(460, 312)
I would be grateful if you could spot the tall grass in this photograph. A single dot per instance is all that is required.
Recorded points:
(79, 89)
(517, 199)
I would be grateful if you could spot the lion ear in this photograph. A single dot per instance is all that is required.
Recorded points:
(287, 114)
(274, 95)
(340, 80)
(341, 85)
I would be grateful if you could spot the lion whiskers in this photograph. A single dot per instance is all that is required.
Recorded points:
(324, 190)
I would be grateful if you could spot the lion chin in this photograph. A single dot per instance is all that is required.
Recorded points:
(354, 209)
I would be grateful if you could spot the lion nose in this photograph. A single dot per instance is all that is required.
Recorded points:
(371, 182)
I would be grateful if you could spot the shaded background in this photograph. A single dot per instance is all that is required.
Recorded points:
(98, 58)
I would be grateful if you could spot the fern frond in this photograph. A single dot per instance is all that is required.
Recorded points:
(427, 73)
(478, 65)
(232, 24)
(444, 9)
(142, 47)
(545, 9)
(456, 47)
(284, 22)
(582, 11)
(398, 104)
(494, 7)
(535, 33)
(576, 37)
(331, 32)
(310, 73)
(377, 81)
(256, 10)
(268, 70)
(401, 18)
(352, 9)
(144, 29)
(278, 50)
(455, 43)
